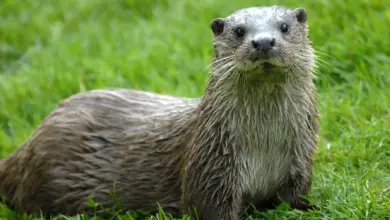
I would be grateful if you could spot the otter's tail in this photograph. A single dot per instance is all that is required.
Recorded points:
(2, 178)
(4, 193)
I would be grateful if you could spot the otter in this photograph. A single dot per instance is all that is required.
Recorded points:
(249, 140)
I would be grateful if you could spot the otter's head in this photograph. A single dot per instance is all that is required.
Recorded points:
(262, 39)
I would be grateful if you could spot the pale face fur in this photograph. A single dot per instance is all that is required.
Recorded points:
(291, 49)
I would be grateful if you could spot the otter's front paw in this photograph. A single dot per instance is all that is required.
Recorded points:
(304, 205)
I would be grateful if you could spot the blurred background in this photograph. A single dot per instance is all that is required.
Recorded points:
(50, 50)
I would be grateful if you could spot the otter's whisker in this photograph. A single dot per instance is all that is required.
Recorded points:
(222, 68)
(226, 74)
(323, 53)
(220, 61)
(309, 53)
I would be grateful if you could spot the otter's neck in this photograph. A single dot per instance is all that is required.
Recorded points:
(238, 112)
(246, 95)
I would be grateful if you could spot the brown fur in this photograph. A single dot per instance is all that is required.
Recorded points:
(249, 140)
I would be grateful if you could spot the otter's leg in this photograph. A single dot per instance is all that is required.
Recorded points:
(293, 192)
(210, 190)
(216, 204)
(298, 182)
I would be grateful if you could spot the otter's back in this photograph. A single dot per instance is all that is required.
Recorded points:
(92, 141)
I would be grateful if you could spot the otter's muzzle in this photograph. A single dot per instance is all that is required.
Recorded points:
(263, 44)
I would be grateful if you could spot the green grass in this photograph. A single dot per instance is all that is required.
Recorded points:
(50, 50)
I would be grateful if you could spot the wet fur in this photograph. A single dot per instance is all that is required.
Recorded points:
(110, 145)
(249, 140)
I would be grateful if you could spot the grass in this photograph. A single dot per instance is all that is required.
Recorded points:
(50, 50)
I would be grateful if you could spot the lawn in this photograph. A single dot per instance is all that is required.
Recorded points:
(50, 50)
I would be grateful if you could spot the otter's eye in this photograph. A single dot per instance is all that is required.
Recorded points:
(239, 32)
(284, 28)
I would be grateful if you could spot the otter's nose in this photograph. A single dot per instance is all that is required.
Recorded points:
(263, 44)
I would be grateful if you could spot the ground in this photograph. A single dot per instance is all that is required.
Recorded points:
(50, 50)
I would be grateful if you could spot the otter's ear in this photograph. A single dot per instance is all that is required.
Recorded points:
(301, 14)
(217, 26)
